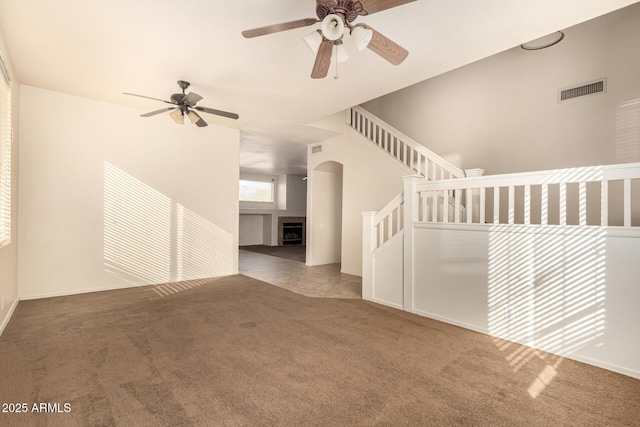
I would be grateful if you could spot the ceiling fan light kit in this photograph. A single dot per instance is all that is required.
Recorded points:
(177, 116)
(313, 40)
(332, 27)
(193, 117)
(335, 16)
(361, 36)
(341, 54)
(184, 103)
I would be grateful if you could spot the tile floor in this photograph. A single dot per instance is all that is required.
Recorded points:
(324, 281)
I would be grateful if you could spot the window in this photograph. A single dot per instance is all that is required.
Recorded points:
(5, 156)
(256, 191)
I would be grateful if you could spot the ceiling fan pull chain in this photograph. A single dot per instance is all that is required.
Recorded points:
(336, 59)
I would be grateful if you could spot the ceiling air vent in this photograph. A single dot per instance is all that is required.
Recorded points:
(591, 88)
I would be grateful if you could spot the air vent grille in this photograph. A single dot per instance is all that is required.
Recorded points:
(591, 88)
(316, 149)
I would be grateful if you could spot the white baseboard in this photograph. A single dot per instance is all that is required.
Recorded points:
(568, 355)
(25, 297)
(8, 316)
(78, 291)
(450, 321)
(387, 303)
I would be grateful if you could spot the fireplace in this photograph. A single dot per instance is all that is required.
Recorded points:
(292, 230)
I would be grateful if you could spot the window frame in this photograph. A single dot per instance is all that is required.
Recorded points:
(271, 185)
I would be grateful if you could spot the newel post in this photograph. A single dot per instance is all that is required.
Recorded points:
(410, 216)
(368, 239)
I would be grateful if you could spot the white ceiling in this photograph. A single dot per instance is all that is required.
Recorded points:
(99, 49)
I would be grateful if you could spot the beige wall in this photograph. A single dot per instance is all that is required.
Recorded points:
(9, 252)
(110, 199)
(502, 114)
(325, 225)
(370, 180)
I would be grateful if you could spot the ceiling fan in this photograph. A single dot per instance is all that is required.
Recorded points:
(184, 105)
(336, 15)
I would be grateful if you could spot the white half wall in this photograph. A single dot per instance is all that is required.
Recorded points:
(111, 200)
(388, 275)
(571, 291)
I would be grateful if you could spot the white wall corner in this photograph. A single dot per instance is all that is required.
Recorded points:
(367, 254)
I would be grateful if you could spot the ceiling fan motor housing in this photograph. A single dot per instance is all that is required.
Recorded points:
(348, 9)
(176, 98)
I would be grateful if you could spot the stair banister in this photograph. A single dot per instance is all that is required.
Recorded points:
(415, 156)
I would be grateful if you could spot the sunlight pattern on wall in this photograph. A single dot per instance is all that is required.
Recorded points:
(545, 290)
(137, 229)
(149, 239)
(203, 249)
(628, 132)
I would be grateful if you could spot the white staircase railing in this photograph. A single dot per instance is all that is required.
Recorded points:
(384, 224)
(415, 157)
(589, 196)
(402, 148)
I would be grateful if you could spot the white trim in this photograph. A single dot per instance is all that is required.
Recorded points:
(449, 321)
(556, 176)
(599, 363)
(386, 303)
(571, 230)
(381, 249)
(9, 315)
(82, 291)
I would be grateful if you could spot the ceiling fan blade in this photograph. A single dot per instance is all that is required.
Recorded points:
(387, 48)
(148, 97)
(323, 60)
(153, 113)
(276, 28)
(200, 122)
(217, 112)
(373, 6)
(191, 99)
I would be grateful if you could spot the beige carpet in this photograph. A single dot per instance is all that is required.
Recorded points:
(237, 351)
